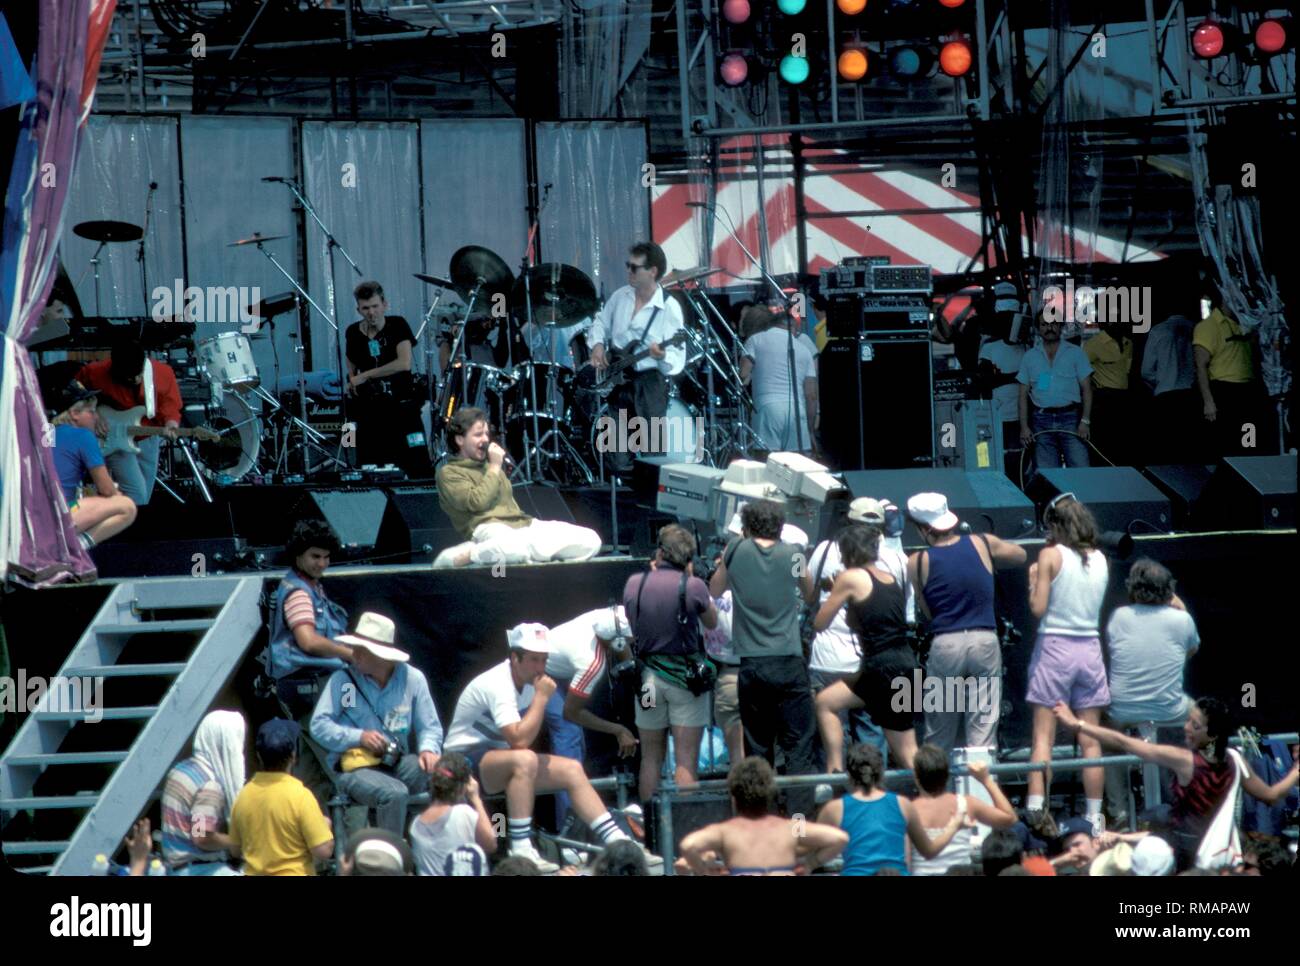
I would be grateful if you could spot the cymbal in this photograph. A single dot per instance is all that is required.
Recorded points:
(561, 294)
(474, 262)
(109, 231)
(437, 280)
(255, 238)
(688, 274)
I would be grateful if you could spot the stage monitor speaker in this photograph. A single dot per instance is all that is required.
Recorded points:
(1249, 493)
(985, 499)
(543, 502)
(412, 522)
(353, 514)
(1116, 495)
(1183, 483)
(877, 401)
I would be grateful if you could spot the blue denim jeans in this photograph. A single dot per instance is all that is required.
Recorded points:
(1053, 448)
(135, 473)
(387, 791)
(567, 741)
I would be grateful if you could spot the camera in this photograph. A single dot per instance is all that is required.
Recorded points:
(392, 755)
(1009, 634)
(700, 675)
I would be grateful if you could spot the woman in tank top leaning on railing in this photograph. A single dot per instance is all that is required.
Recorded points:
(936, 806)
(1066, 587)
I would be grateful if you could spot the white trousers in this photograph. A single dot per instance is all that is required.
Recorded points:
(541, 541)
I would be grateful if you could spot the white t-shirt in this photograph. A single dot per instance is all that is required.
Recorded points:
(770, 350)
(432, 843)
(1006, 360)
(488, 704)
(577, 655)
(834, 650)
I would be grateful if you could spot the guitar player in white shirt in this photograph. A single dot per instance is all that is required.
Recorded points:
(640, 317)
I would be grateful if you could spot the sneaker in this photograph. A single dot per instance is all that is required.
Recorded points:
(635, 819)
(654, 863)
(1041, 823)
(570, 857)
(544, 866)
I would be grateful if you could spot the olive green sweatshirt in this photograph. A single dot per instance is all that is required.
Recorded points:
(470, 495)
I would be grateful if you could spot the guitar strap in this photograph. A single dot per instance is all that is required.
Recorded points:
(640, 340)
(147, 387)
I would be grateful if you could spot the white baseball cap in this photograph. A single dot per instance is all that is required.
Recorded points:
(529, 637)
(866, 509)
(376, 634)
(612, 624)
(932, 510)
(1153, 856)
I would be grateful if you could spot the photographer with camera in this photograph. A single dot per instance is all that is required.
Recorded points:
(378, 721)
(665, 607)
(769, 580)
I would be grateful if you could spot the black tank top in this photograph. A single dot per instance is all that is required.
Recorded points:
(880, 621)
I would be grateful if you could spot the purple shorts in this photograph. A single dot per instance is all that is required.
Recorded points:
(1068, 669)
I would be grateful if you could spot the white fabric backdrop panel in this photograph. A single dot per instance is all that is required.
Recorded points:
(118, 159)
(598, 205)
(226, 201)
(475, 191)
(364, 180)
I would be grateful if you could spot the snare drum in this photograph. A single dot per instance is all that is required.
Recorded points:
(228, 361)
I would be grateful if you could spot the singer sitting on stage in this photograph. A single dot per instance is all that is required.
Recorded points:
(475, 493)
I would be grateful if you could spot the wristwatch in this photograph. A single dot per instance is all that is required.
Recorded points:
(1086, 422)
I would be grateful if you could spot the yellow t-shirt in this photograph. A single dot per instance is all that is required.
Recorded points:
(1230, 355)
(1110, 364)
(276, 823)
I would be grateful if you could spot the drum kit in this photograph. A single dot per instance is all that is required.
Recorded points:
(514, 352)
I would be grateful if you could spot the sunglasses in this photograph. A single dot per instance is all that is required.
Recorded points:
(633, 266)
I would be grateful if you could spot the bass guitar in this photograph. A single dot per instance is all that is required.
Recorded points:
(599, 386)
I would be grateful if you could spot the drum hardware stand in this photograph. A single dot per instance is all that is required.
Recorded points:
(198, 476)
(435, 380)
(741, 432)
(94, 264)
(298, 349)
(331, 244)
(312, 438)
(526, 262)
(460, 350)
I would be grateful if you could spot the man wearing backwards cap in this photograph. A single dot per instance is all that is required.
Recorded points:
(497, 720)
(581, 651)
(378, 721)
(276, 826)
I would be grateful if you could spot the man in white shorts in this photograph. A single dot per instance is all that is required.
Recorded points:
(581, 651)
(475, 493)
(497, 720)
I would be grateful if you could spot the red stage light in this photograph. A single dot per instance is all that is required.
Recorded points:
(1208, 40)
(736, 11)
(1270, 36)
(955, 58)
(952, 4)
(734, 69)
(853, 63)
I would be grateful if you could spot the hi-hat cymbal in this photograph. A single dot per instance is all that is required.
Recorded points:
(255, 238)
(684, 275)
(109, 231)
(560, 294)
(472, 263)
(437, 280)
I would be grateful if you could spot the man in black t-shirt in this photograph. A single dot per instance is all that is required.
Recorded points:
(387, 409)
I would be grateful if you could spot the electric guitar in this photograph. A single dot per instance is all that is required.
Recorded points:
(593, 384)
(124, 424)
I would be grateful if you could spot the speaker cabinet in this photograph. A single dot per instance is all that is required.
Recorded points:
(1249, 493)
(1116, 495)
(985, 499)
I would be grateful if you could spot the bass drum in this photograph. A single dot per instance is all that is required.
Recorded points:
(677, 436)
(231, 459)
(475, 384)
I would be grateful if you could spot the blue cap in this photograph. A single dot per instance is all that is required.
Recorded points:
(277, 739)
(1075, 826)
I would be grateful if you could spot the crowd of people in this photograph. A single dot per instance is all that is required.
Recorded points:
(781, 653)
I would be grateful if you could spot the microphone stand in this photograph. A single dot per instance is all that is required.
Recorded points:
(435, 377)
(331, 243)
(794, 390)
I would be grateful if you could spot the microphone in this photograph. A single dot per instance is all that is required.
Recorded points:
(282, 180)
(153, 185)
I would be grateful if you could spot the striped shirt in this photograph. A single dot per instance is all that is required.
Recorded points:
(1195, 803)
(192, 804)
(298, 609)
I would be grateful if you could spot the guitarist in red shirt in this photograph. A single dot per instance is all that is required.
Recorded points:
(122, 384)
(640, 318)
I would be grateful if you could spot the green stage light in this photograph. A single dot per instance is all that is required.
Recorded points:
(794, 70)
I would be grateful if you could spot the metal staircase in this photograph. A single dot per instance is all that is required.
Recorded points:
(78, 773)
